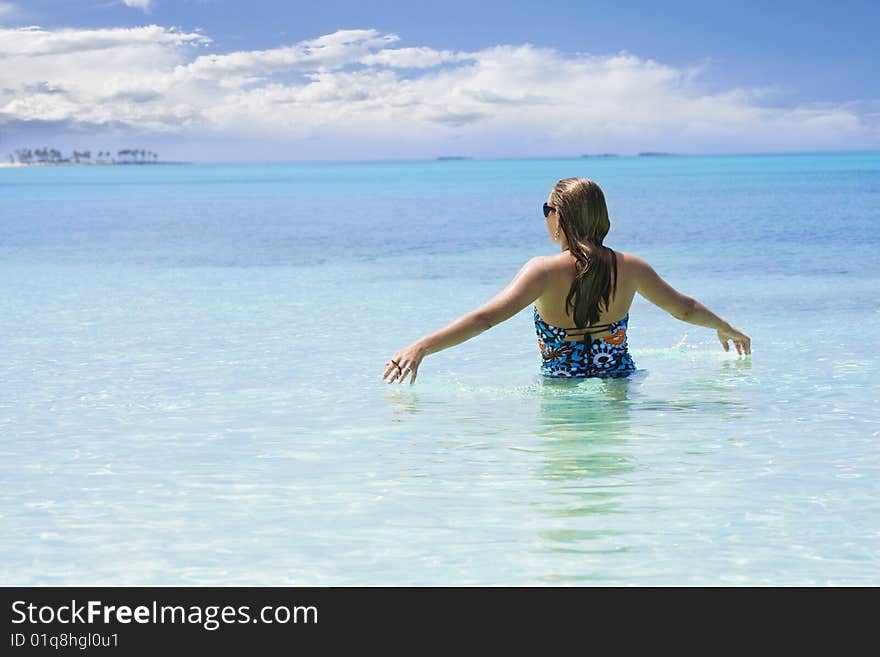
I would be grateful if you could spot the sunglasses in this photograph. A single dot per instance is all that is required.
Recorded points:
(548, 209)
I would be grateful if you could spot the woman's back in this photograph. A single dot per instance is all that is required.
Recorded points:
(597, 350)
(562, 269)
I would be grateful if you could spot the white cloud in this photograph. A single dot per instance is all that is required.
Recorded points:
(328, 52)
(34, 41)
(355, 88)
(143, 5)
(412, 57)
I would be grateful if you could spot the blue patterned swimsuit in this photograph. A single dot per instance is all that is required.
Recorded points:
(601, 357)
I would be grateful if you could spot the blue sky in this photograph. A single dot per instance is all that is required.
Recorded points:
(478, 78)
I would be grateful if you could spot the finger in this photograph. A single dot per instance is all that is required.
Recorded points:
(404, 371)
(393, 371)
(391, 367)
(414, 372)
(725, 345)
(738, 345)
(395, 365)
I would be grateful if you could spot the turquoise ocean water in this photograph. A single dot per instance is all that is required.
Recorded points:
(190, 389)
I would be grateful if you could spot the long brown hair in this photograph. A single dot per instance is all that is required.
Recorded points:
(583, 218)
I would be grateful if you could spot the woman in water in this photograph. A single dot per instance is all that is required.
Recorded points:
(587, 287)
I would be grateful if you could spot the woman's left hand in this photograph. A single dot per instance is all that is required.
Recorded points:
(408, 361)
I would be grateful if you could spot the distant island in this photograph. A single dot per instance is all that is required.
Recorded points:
(645, 154)
(454, 157)
(50, 156)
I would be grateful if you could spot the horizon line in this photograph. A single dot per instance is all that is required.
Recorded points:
(585, 156)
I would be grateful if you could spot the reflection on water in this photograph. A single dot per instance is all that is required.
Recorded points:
(402, 403)
(581, 423)
(743, 364)
(583, 427)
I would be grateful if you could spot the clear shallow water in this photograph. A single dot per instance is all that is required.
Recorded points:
(190, 385)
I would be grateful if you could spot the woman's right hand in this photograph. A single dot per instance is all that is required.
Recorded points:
(741, 341)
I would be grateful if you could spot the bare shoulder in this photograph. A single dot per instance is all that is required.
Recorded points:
(559, 266)
(537, 269)
(560, 261)
(562, 265)
(630, 260)
(632, 265)
(538, 264)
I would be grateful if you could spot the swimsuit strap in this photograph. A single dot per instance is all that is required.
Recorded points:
(588, 341)
(595, 328)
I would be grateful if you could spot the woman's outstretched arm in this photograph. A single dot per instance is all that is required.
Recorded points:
(525, 287)
(651, 286)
